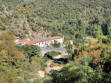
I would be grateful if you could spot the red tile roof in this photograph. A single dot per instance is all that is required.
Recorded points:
(23, 40)
(55, 37)
(49, 38)
(31, 42)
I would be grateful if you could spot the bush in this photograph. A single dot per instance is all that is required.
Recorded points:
(53, 53)
(2, 27)
(47, 79)
(79, 72)
(38, 81)
(56, 44)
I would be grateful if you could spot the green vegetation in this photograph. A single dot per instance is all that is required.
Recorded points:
(30, 50)
(86, 22)
(14, 63)
(77, 18)
(53, 53)
(77, 73)
(56, 44)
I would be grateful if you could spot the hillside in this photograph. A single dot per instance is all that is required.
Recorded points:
(85, 28)
(26, 17)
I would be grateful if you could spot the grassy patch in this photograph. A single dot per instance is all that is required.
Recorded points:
(53, 53)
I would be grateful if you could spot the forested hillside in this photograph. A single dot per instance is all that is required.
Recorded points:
(87, 23)
(62, 17)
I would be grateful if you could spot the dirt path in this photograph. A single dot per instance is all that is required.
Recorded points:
(36, 75)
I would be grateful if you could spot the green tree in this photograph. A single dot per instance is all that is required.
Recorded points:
(10, 59)
(77, 73)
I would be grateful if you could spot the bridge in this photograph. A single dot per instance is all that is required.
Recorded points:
(49, 49)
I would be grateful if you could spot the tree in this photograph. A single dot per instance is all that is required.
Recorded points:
(105, 29)
(10, 54)
(30, 51)
(56, 44)
(10, 59)
(78, 72)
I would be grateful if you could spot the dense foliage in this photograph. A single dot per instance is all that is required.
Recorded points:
(77, 73)
(77, 18)
(85, 22)
(15, 64)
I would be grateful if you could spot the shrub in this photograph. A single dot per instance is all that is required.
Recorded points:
(56, 44)
(53, 53)
(2, 27)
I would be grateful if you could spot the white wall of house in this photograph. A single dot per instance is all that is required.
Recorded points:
(43, 43)
(49, 42)
(60, 40)
(21, 43)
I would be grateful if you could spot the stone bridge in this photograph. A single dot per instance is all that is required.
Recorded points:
(49, 49)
